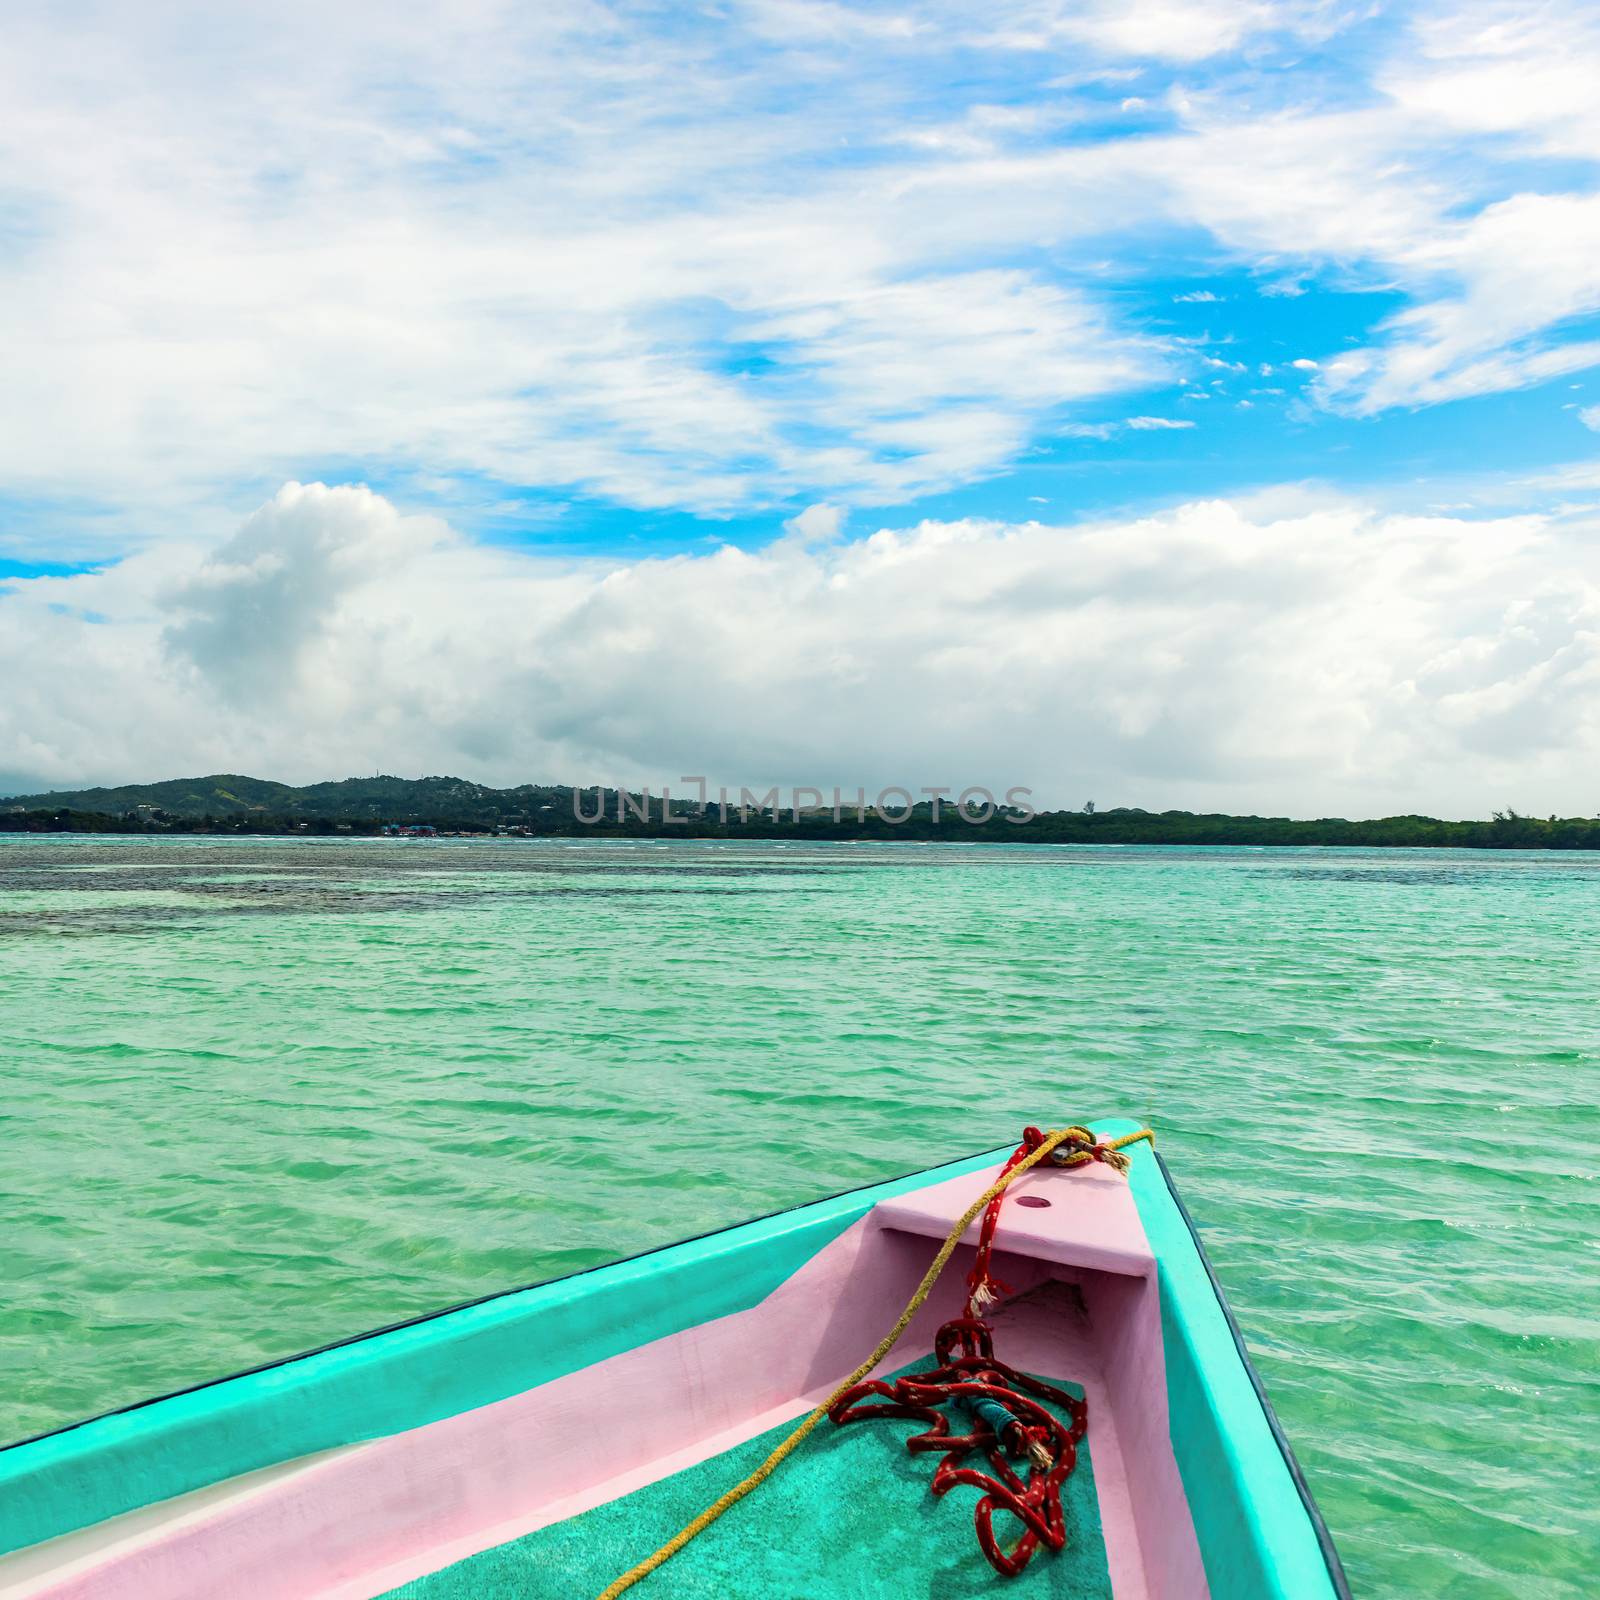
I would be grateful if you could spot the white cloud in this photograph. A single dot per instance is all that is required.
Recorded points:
(1575, 477)
(1172, 30)
(817, 524)
(499, 247)
(780, 254)
(1589, 416)
(1109, 430)
(1524, 266)
(1522, 70)
(1417, 662)
(1304, 363)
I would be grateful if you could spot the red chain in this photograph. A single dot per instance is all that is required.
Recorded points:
(1003, 1402)
(981, 1287)
(1033, 1434)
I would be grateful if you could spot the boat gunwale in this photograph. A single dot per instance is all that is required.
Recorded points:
(1330, 1551)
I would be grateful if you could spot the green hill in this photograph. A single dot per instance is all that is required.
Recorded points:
(225, 795)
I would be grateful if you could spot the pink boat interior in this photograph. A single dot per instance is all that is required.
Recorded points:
(361, 1520)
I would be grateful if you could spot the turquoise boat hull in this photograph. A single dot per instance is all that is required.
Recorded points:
(542, 1440)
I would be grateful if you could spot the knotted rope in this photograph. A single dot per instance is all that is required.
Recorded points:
(1077, 1146)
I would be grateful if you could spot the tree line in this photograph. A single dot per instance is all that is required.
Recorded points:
(1504, 830)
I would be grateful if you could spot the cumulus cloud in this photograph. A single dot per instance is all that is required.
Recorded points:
(262, 605)
(1589, 416)
(1313, 656)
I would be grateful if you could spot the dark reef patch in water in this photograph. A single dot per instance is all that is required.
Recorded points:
(1430, 874)
(205, 893)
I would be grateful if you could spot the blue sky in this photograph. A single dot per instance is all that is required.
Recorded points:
(580, 290)
(631, 277)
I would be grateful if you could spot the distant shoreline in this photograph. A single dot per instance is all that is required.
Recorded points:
(323, 828)
(232, 806)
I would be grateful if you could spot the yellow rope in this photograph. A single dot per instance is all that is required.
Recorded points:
(885, 1345)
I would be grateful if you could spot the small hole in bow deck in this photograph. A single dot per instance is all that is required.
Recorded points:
(1034, 1200)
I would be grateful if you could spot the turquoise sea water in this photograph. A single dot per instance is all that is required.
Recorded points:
(261, 1094)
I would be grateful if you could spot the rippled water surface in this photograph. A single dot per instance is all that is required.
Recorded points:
(261, 1094)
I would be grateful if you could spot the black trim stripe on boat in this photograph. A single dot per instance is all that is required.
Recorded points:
(1330, 1553)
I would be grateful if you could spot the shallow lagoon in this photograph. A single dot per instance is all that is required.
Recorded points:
(261, 1094)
